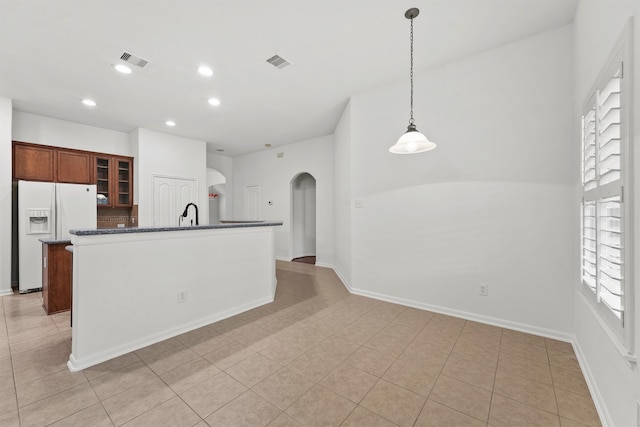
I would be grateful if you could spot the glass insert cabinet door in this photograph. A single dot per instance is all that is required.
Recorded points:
(124, 182)
(114, 181)
(103, 181)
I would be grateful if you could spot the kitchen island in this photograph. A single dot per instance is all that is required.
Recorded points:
(133, 287)
(56, 275)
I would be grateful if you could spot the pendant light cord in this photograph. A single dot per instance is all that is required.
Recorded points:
(411, 121)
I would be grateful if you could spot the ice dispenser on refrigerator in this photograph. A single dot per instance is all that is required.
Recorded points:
(38, 221)
(47, 210)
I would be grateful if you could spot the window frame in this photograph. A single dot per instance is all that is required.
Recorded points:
(620, 330)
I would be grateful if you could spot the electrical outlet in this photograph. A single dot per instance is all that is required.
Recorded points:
(182, 296)
(484, 289)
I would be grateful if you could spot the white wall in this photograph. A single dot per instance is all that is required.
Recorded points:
(492, 204)
(167, 155)
(119, 310)
(224, 165)
(615, 384)
(274, 176)
(5, 195)
(61, 133)
(214, 177)
(342, 196)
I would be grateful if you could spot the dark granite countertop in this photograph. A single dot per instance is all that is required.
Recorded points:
(55, 241)
(222, 225)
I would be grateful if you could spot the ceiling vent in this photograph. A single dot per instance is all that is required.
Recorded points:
(278, 61)
(135, 60)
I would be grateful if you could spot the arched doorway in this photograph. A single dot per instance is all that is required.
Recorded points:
(217, 201)
(303, 218)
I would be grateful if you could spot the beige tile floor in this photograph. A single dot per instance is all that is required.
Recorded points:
(317, 356)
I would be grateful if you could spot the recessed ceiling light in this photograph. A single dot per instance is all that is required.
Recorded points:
(214, 101)
(170, 123)
(205, 71)
(122, 68)
(89, 102)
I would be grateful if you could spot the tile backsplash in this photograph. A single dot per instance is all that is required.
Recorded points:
(118, 217)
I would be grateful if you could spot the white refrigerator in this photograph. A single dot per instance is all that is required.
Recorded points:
(47, 210)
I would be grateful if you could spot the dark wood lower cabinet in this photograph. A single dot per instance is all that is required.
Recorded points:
(56, 277)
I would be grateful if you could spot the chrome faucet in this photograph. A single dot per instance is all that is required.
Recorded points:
(186, 210)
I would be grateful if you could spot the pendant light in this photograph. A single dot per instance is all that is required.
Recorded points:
(412, 141)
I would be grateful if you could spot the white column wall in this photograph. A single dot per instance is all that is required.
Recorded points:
(274, 176)
(168, 155)
(614, 383)
(5, 195)
(118, 310)
(342, 196)
(493, 204)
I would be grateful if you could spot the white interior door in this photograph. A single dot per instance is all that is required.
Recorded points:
(252, 202)
(170, 196)
(187, 192)
(164, 202)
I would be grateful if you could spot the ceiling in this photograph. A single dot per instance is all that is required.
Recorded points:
(54, 53)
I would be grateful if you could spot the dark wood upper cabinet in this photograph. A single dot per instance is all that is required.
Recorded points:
(73, 167)
(114, 180)
(33, 163)
(112, 175)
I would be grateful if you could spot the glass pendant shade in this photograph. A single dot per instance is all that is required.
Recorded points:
(412, 142)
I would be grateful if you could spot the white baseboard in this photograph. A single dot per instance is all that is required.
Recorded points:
(325, 265)
(75, 364)
(601, 408)
(5, 292)
(344, 281)
(598, 400)
(502, 323)
(605, 417)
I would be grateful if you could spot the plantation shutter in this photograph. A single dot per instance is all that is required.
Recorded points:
(603, 249)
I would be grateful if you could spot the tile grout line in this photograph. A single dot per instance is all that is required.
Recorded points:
(13, 375)
(58, 392)
(177, 395)
(437, 376)
(342, 306)
(317, 383)
(441, 374)
(495, 377)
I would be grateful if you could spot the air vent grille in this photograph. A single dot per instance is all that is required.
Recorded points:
(135, 60)
(278, 61)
